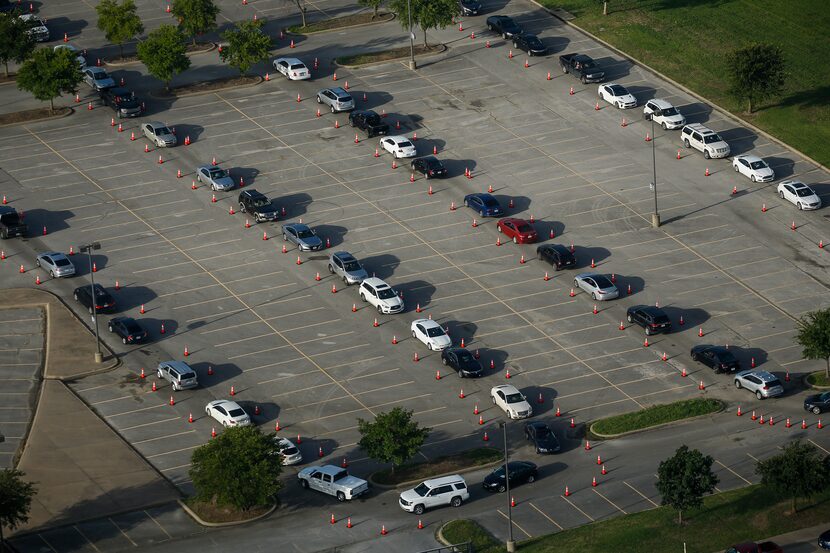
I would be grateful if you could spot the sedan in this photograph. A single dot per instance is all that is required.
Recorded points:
(431, 334)
(79, 57)
(158, 133)
(398, 146)
(599, 286)
(56, 263)
(817, 403)
(462, 361)
(543, 438)
(103, 301)
(302, 236)
(470, 7)
(429, 166)
(228, 413)
(799, 193)
(762, 383)
(503, 25)
(718, 358)
(517, 230)
(753, 167)
(557, 255)
(292, 68)
(617, 95)
(128, 330)
(530, 44)
(518, 472)
(216, 177)
(484, 203)
(289, 452)
(97, 78)
(510, 400)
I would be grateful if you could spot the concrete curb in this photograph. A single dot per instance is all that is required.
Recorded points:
(201, 92)
(48, 118)
(655, 427)
(205, 50)
(412, 483)
(813, 386)
(379, 20)
(444, 49)
(439, 535)
(206, 524)
(721, 110)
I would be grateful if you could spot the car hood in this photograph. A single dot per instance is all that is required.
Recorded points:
(359, 275)
(493, 479)
(224, 181)
(311, 241)
(520, 406)
(443, 340)
(411, 497)
(108, 82)
(549, 443)
(815, 398)
(265, 209)
(626, 98)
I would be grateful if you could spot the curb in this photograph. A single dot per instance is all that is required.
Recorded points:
(439, 535)
(201, 92)
(211, 48)
(444, 49)
(48, 118)
(656, 426)
(412, 483)
(812, 386)
(379, 20)
(206, 524)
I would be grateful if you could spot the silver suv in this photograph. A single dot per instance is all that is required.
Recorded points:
(344, 265)
(179, 373)
(764, 384)
(336, 98)
(704, 140)
(381, 295)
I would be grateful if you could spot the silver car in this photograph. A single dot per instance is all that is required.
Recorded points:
(158, 133)
(344, 265)
(764, 384)
(56, 263)
(178, 373)
(336, 98)
(599, 286)
(302, 236)
(97, 78)
(215, 176)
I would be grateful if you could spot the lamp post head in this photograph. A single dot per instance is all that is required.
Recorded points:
(86, 248)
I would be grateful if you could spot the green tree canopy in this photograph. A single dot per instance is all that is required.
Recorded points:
(814, 337)
(392, 437)
(247, 45)
(50, 73)
(684, 478)
(16, 44)
(240, 467)
(374, 4)
(164, 54)
(119, 22)
(15, 499)
(799, 471)
(196, 17)
(427, 14)
(757, 73)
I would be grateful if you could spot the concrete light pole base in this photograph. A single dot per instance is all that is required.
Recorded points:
(412, 65)
(511, 546)
(99, 357)
(655, 220)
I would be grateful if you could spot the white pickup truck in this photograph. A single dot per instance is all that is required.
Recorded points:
(334, 481)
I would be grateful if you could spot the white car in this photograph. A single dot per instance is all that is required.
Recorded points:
(292, 68)
(510, 400)
(799, 193)
(228, 413)
(617, 95)
(430, 333)
(290, 454)
(97, 78)
(382, 296)
(56, 263)
(78, 55)
(663, 113)
(398, 146)
(753, 167)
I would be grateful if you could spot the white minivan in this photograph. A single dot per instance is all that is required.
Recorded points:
(447, 490)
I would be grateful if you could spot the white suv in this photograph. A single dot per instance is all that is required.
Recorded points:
(448, 490)
(705, 140)
(511, 401)
(664, 114)
(381, 295)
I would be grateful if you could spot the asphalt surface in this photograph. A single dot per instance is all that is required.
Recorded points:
(263, 325)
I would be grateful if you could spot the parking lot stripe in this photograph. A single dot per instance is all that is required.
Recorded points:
(304, 389)
(138, 410)
(545, 515)
(640, 493)
(257, 337)
(818, 446)
(733, 472)
(171, 452)
(162, 528)
(202, 302)
(572, 504)
(122, 532)
(284, 377)
(110, 400)
(75, 526)
(178, 467)
(372, 374)
(516, 524)
(49, 545)
(163, 437)
(125, 429)
(617, 507)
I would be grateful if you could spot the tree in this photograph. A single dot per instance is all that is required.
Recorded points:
(240, 467)
(814, 337)
(15, 499)
(16, 44)
(119, 22)
(196, 17)
(50, 73)
(301, 7)
(374, 4)
(247, 45)
(683, 479)
(798, 471)
(164, 54)
(392, 437)
(427, 14)
(757, 73)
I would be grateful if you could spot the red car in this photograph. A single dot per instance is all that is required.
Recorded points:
(518, 230)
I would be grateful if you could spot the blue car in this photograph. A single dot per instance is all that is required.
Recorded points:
(485, 204)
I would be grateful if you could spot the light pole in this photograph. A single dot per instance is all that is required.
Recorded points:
(88, 248)
(655, 217)
(412, 65)
(511, 545)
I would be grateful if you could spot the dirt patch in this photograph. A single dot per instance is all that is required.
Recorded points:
(389, 55)
(11, 78)
(209, 512)
(210, 86)
(353, 20)
(29, 115)
(190, 49)
(441, 465)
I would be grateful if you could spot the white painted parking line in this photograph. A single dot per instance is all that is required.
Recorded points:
(49, 545)
(818, 446)
(122, 532)
(572, 504)
(516, 524)
(165, 437)
(75, 526)
(545, 515)
(617, 507)
(172, 452)
(748, 483)
(125, 429)
(638, 492)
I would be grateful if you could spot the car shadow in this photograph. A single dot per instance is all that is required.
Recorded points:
(153, 327)
(43, 221)
(374, 100)
(131, 296)
(415, 293)
(244, 176)
(457, 167)
(693, 318)
(223, 373)
(291, 206)
(642, 93)
(520, 203)
(623, 282)
(741, 140)
(586, 254)
(783, 167)
(614, 69)
(381, 266)
(331, 235)
(186, 130)
(695, 112)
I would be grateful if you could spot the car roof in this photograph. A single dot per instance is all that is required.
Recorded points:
(344, 256)
(52, 254)
(399, 138)
(428, 158)
(763, 375)
(428, 323)
(327, 469)
(119, 91)
(226, 403)
(514, 220)
(444, 480)
(291, 61)
(296, 226)
(365, 112)
(156, 124)
(5, 209)
(651, 310)
(749, 157)
(481, 195)
(254, 193)
(538, 424)
(375, 282)
(209, 167)
(558, 248)
(699, 127)
(180, 366)
(96, 70)
(338, 91)
(661, 103)
(794, 183)
(506, 388)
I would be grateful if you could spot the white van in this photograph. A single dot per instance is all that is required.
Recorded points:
(447, 490)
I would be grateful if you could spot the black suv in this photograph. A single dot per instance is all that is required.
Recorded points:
(429, 166)
(127, 329)
(124, 102)
(258, 205)
(718, 358)
(557, 255)
(503, 25)
(10, 223)
(462, 361)
(530, 44)
(653, 319)
(368, 121)
(103, 301)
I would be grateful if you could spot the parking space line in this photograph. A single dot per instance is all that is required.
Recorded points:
(163, 437)
(385, 387)
(174, 451)
(75, 526)
(123, 533)
(303, 389)
(43, 539)
(638, 492)
(177, 467)
(372, 374)
(202, 302)
(572, 504)
(733, 472)
(516, 524)
(545, 515)
(617, 507)
(138, 410)
(146, 423)
(110, 400)
(818, 446)
(284, 377)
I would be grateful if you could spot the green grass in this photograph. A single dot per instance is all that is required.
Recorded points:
(461, 531)
(440, 465)
(656, 414)
(818, 379)
(687, 40)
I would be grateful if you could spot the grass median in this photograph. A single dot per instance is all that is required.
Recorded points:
(351, 20)
(818, 379)
(687, 41)
(655, 415)
(440, 465)
(462, 531)
(388, 55)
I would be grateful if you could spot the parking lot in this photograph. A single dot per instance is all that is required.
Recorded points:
(255, 320)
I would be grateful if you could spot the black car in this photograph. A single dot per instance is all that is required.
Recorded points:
(718, 358)
(817, 403)
(462, 361)
(369, 121)
(557, 255)
(429, 166)
(824, 540)
(542, 437)
(124, 102)
(470, 7)
(530, 44)
(128, 329)
(103, 301)
(653, 319)
(257, 204)
(519, 472)
(10, 223)
(503, 25)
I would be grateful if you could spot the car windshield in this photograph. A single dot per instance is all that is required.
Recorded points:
(490, 202)
(100, 292)
(499, 472)
(603, 281)
(344, 98)
(726, 356)
(421, 489)
(524, 227)
(542, 432)
(660, 319)
(386, 293)
(162, 131)
(465, 357)
(373, 119)
(434, 164)
(671, 111)
(298, 66)
(509, 25)
(218, 173)
(100, 75)
(305, 233)
(514, 398)
(132, 327)
(587, 64)
(61, 262)
(261, 202)
(435, 331)
(351, 266)
(533, 40)
(758, 164)
(618, 90)
(238, 412)
(288, 450)
(712, 138)
(340, 475)
(825, 396)
(405, 144)
(803, 192)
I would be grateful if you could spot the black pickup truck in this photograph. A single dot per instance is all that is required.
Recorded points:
(10, 223)
(583, 67)
(369, 121)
